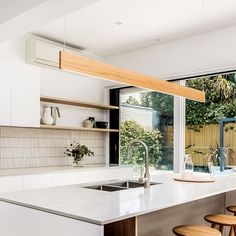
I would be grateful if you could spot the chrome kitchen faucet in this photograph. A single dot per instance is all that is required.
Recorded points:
(146, 178)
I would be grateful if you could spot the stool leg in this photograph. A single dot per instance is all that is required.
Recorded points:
(214, 226)
(231, 232)
(234, 230)
(221, 229)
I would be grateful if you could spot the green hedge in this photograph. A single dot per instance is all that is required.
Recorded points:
(131, 130)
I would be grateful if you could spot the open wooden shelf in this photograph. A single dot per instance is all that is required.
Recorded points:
(77, 103)
(77, 128)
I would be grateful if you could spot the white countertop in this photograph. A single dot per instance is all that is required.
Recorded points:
(45, 170)
(100, 207)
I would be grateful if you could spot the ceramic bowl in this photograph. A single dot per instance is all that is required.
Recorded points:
(101, 124)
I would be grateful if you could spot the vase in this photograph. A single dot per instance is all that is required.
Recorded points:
(78, 164)
(47, 118)
(89, 123)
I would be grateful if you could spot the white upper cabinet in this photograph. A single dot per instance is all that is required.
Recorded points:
(19, 94)
(5, 92)
(25, 95)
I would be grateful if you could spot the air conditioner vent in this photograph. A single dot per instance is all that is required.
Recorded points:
(46, 53)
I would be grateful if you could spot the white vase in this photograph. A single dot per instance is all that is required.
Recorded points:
(47, 116)
(77, 164)
(88, 123)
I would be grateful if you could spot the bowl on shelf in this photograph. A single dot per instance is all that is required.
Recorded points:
(101, 124)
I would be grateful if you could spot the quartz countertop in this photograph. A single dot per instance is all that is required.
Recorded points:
(99, 207)
(45, 170)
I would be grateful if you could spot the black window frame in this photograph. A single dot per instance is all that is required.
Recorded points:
(114, 118)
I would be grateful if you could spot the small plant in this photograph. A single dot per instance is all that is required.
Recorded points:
(192, 149)
(214, 154)
(77, 151)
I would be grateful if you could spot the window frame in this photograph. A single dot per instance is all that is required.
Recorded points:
(114, 138)
(179, 123)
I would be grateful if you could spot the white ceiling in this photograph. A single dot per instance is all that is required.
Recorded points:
(143, 21)
(9, 8)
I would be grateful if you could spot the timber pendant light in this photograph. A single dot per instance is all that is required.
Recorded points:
(88, 66)
(84, 65)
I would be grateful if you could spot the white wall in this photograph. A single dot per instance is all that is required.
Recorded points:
(68, 85)
(25, 151)
(62, 84)
(209, 52)
(141, 115)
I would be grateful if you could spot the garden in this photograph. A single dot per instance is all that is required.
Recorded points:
(202, 132)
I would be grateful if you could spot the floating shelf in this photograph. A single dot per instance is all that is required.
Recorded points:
(77, 128)
(77, 103)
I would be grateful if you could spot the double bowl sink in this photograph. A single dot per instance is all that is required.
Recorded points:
(117, 185)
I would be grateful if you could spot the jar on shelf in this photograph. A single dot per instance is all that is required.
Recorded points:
(47, 118)
(89, 123)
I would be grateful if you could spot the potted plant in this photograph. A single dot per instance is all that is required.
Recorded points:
(214, 156)
(77, 151)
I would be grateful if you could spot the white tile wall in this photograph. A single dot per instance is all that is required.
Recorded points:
(27, 147)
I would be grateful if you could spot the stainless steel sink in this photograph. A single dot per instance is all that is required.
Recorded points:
(131, 184)
(117, 185)
(108, 188)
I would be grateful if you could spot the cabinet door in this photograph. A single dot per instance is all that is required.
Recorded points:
(5, 94)
(16, 220)
(10, 184)
(25, 109)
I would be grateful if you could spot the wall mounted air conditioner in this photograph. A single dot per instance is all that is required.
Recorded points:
(43, 52)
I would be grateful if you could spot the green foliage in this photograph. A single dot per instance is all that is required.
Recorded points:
(192, 149)
(133, 101)
(77, 151)
(166, 161)
(131, 130)
(214, 154)
(220, 101)
(163, 103)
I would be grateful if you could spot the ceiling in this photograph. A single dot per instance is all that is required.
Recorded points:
(109, 27)
(11, 8)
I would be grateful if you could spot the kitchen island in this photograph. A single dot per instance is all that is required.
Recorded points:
(74, 210)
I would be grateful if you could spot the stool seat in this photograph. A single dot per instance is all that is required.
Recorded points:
(232, 209)
(221, 219)
(195, 230)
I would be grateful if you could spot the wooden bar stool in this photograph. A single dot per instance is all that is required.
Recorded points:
(195, 230)
(219, 221)
(232, 209)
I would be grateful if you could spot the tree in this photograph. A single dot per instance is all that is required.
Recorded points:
(225, 88)
(131, 130)
(163, 103)
(220, 101)
(133, 101)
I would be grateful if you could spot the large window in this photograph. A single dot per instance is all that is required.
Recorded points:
(147, 116)
(210, 134)
(210, 130)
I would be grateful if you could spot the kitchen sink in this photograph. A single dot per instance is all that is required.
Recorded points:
(117, 185)
(108, 188)
(131, 184)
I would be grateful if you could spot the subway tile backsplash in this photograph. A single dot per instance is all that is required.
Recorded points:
(29, 147)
